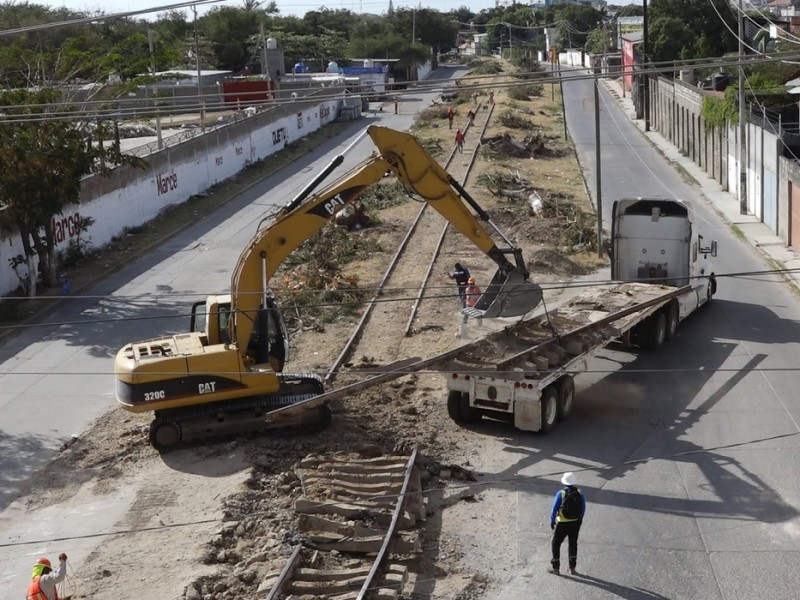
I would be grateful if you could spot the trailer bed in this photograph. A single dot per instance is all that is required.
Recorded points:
(538, 347)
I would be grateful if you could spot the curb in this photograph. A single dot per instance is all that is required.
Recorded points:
(687, 165)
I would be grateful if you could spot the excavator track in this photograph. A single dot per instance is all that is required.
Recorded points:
(178, 427)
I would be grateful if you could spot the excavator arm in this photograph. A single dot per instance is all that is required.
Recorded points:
(509, 294)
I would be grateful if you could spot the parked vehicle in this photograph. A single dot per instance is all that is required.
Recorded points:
(664, 275)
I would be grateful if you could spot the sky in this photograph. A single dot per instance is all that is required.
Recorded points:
(291, 7)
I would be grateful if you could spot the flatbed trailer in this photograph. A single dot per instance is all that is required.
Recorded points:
(524, 375)
(531, 359)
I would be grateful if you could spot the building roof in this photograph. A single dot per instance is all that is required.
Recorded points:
(192, 72)
(634, 36)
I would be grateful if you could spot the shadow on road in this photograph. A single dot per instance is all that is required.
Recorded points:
(644, 409)
(619, 591)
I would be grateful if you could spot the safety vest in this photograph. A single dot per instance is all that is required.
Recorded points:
(35, 591)
(473, 293)
(560, 516)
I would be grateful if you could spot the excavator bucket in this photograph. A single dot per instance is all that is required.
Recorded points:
(508, 296)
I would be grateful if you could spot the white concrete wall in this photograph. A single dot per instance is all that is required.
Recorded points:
(424, 71)
(571, 58)
(176, 174)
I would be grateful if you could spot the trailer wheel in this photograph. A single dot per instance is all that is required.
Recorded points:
(549, 402)
(164, 435)
(655, 331)
(566, 396)
(454, 405)
(468, 413)
(672, 320)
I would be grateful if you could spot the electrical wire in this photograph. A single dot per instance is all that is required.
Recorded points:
(98, 109)
(455, 486)
(594, 283)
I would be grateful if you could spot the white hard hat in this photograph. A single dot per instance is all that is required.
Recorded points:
(568, 478)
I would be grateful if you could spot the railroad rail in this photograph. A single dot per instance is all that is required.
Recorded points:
(418, 235)
(366, 510)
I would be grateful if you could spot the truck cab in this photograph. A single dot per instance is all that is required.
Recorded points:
(653, 240)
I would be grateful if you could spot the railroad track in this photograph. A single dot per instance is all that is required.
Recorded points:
(422, 243)
(364, 509)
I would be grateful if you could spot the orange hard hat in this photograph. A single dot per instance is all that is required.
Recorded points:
(45, 562)
(471, 281)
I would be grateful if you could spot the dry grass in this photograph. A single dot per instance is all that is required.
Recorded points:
(568, 223)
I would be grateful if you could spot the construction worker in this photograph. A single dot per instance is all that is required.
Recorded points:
(459, 140)
(471, 116)
(473, 292)
(44, 581)
(461, 276)
(451, 114)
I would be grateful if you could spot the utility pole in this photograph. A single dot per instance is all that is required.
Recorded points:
(742, 124)
(599, 176)
(264, 67)
(413, 25)
(646, 76)
(199, 77)
(155, 89)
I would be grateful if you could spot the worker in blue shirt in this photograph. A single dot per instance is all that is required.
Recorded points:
(566, 517)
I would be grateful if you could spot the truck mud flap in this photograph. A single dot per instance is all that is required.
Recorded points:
(508, 296)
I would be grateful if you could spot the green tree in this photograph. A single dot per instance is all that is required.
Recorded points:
(576, 21)
(670, 39)
(602, 39)
(45, 159)
(707, 26)
(229, 29)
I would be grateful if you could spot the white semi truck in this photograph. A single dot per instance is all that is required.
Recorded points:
(661, 273)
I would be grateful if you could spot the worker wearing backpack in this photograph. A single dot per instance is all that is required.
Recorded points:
(566, 517)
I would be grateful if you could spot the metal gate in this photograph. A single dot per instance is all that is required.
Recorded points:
(794, 215)
(770, 216)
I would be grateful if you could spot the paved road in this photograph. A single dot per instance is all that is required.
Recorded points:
(56, 379)
(690, 474)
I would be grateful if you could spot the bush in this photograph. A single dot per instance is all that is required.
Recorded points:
(512, 120)
(482, 66)
(524, 92)
(526, 63)
(313, 280)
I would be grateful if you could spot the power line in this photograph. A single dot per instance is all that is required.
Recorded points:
(545, 286)
(599, 468)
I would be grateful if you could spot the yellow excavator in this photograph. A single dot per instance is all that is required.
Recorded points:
(226, 373)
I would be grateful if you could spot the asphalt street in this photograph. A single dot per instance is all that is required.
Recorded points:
(55, 379)
(687, 456)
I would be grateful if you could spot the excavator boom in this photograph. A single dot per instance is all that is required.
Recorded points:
(509, 294)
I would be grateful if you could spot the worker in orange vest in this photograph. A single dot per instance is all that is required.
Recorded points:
(473, 293)
(44, 581)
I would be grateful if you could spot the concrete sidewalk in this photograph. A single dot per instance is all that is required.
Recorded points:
(725, 203)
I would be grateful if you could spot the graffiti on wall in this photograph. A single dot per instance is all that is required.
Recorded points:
(166, 183)
(324, 113)
(278, 136)
(66, 227)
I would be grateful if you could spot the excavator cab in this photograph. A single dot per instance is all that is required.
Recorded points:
(509, 293)
(269, 342)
